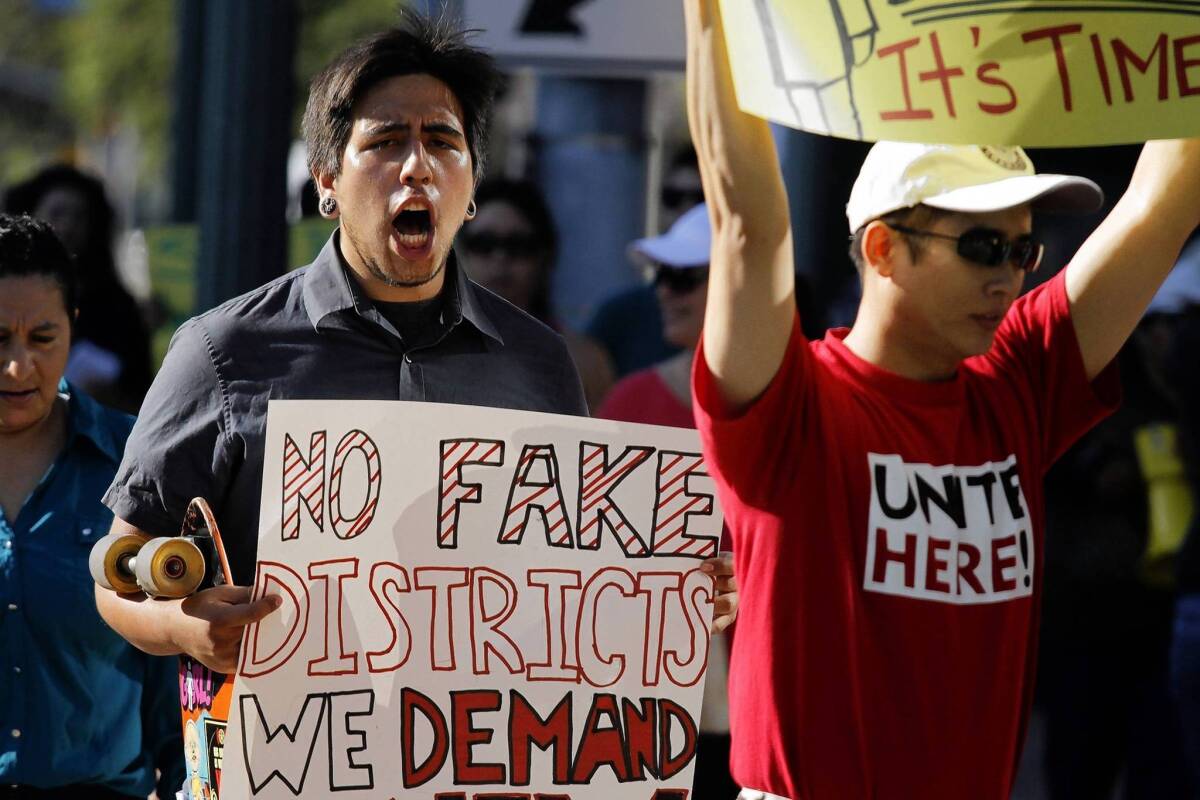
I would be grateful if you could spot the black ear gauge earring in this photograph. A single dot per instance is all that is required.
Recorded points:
(472, 209)
(328, 206)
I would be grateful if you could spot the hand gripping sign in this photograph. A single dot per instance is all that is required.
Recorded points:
(476, 603)
(1029, 72)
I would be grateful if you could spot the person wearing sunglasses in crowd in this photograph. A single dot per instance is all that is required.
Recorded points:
(510, 248)
(676, 265)
(627, 325)
(883, 486)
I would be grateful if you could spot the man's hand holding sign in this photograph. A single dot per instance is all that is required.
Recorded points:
(883, 486)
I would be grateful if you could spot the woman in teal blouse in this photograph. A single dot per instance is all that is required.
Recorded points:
(82, 713)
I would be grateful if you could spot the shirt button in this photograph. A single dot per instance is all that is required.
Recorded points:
(12, 606)
(17, 670)
(16, 733)
(87, 531)
(8, 544)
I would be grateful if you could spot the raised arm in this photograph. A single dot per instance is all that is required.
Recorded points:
(751, 286)
(1119, 268)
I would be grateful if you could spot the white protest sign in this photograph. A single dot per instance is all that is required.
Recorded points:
(627, 35)
(477, 603)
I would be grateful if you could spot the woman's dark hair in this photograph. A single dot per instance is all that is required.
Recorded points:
(25, 197)
(418, 46)
(530, 203)
(28, 247)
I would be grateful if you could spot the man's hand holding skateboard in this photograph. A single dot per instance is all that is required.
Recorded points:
(209, 624)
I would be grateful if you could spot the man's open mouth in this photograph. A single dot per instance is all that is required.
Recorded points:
(414, 228)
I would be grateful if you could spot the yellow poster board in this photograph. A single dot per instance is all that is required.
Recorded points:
(1028, 72)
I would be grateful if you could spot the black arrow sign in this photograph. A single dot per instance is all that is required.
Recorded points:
(553, 17)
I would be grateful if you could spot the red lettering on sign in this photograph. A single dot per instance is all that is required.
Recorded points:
(1126, 56)
(463, 705)
(1183, 64)
(908, 111)
(337, 570)
(984, 73)
(387, 579)
(1055, 35)
(942, 74)
(558, 665)
(526, 727)
(602, 743)
(1102, 68)
(412, 703)
(439, 581)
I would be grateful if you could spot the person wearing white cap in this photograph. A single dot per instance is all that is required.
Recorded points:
(883, 486)
(676, 263)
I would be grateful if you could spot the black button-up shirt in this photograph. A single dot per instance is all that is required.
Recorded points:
(314, 335)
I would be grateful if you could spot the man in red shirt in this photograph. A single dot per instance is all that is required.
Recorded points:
(884, 485)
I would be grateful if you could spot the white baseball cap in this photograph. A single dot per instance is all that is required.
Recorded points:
(968, 178)
(687, 244)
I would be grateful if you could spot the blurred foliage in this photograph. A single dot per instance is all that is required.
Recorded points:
(328, 28)
(119, 60)
(109, 65)
(27, 35)
(33, 126)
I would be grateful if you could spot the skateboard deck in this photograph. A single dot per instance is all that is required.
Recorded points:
(204, 695)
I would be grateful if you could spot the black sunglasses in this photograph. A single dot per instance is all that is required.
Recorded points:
(989, 247)
(679, 280)
(674, 197)
(515, 245)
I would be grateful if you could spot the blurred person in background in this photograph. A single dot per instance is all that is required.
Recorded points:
(1183, 375)
(110, 357)
(628, 324)
(662, 395)
(510, 248)
(1117, 509)
(83, 714)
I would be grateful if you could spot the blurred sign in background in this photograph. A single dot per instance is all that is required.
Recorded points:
(598, 35)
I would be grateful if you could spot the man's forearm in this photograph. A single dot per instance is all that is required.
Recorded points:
(144, 623)
(1115, 274)
(751, 290)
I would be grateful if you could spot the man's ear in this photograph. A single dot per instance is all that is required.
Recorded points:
(879, 248)
(326, 194)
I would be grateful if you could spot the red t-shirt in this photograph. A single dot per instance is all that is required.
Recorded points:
(643, 396)
(888, 544)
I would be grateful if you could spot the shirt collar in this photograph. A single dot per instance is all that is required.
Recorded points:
(86, 418)
(329, 289)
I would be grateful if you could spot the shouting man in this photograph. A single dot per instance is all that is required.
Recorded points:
(396, 130)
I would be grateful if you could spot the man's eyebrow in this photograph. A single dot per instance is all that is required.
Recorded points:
(444, 128)
(379, 128)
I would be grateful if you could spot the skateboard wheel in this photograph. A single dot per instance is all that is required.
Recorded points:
(111, 561)
(169, 566)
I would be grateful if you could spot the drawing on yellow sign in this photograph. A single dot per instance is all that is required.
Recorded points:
(820, 94)
(1032, 72)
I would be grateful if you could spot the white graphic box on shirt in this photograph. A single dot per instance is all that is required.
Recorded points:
(950, 534)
